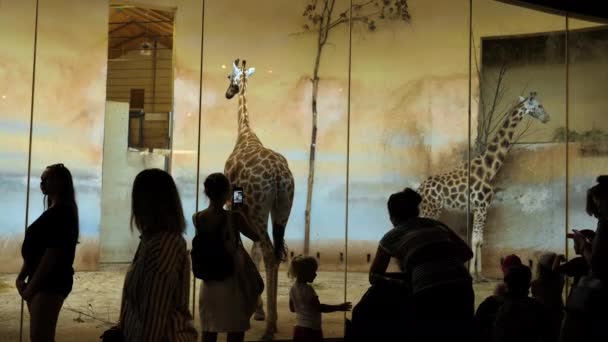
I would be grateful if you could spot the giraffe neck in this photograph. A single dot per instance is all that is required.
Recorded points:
(494, 155)
(243, 117)
(246, 136)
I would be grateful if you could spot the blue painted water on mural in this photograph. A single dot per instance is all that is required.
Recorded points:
(368, 219)
(13, 196)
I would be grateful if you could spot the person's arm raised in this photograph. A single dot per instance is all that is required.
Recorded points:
(244, 226)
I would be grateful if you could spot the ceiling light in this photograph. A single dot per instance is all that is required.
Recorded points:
(146, 48)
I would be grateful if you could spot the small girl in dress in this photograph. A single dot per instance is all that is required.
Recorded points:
(303, 300)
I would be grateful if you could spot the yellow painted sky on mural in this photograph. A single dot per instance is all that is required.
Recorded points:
(407, 79)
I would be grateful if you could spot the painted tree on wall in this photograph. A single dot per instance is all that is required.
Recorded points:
(493, 108)
(322, 18)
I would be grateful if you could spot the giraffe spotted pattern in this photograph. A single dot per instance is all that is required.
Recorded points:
(450, 189)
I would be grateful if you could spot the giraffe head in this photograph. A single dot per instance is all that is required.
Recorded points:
(533, 107)
(237, 78)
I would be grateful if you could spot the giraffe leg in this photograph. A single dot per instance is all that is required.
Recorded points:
(281, 208)
(256, 256)
(479, 220)
(272, 274)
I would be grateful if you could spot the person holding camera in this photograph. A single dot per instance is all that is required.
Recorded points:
(597, 205)
(231, 283)
(578, 267)
(587, 305)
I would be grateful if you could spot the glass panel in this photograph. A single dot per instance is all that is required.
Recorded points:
(138, 131)
(409, 118)
(280, 43)
(68, 128)
(588, 129)
(185, 127)
(16, 64)
(518, 158)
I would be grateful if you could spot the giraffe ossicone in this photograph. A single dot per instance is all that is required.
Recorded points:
(236, 72)
(449, 189)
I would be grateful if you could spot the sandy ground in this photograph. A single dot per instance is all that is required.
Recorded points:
(95, 300)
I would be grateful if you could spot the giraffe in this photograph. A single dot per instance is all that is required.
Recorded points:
(268, 188)
(449, 189)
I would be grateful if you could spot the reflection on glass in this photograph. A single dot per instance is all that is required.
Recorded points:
(512, 138)
(587, 131)
(409, 125)
(16, 64)
(271, 38)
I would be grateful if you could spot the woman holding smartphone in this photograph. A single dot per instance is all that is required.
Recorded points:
(224, 306)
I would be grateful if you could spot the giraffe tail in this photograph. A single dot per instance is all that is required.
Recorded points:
(278, 238)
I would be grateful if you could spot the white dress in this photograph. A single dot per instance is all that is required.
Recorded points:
(222, 305)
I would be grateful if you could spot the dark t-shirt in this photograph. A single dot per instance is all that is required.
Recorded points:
(57, 228)
(599, 258)
(521, 319)
(486, 315)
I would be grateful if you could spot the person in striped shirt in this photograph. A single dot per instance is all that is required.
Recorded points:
(433, 257)
(157, 286)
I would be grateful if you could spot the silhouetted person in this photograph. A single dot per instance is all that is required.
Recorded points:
(518, 318)
(547, 288)
(383, 313)
(434, 257)
(156, 291)
(487, 310)
(586, 319)
(597, 205)
(48, 251)
(222, 302)
(505, 264)
(579, 266)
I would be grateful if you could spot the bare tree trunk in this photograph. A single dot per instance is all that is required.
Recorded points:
(311, 166)
(324, 27)
(313, 150)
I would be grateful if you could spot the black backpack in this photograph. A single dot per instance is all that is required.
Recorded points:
(211, 260)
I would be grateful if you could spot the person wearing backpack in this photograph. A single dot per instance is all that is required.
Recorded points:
(224, 305)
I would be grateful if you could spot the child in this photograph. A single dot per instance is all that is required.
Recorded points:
(303, 300)
(505, 264)
(547, 288)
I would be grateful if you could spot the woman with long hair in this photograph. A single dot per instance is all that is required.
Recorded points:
(156, 290)
(48, 251)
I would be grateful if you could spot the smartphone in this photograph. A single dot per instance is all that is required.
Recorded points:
(237, 197)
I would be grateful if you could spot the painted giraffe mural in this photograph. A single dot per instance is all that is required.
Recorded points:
(268, 188)
(449, 189)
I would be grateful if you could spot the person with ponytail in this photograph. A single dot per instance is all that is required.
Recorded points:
(48, 251)
(433, 257)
